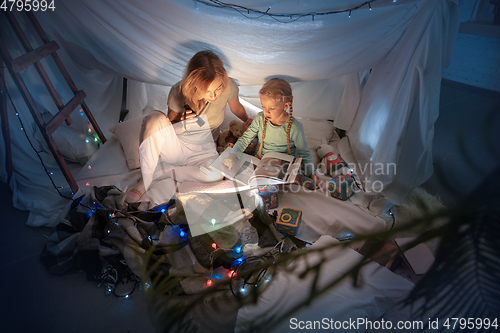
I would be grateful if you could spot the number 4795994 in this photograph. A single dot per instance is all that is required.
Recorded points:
(470, 323)
(27, 5)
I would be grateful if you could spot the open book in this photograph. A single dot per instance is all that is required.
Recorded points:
(273, 168)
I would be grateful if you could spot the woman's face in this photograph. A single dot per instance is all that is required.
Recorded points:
(214, 90)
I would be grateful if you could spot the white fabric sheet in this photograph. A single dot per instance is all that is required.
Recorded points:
(406, 44)
(379, 289)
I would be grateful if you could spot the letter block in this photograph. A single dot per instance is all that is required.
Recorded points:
(269, 194)
(288, 221)
(227, 145)
(252, 146)
(341, 187)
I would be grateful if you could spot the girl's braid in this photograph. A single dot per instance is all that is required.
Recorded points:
(263, 136)
(288, 127)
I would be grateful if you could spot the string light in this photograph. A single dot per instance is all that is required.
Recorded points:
(49, 174)
(213, 221)
(245, 11)
(237, 261)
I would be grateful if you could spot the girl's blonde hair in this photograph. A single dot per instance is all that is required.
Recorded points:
(278, 90)
(202, 69)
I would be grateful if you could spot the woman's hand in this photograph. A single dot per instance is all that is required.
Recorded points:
(229, 161)
(175, 117)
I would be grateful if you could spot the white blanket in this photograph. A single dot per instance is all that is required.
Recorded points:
(321, 214)
(379, 290)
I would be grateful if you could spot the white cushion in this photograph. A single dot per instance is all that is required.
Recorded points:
(128, 134)
(315, 130)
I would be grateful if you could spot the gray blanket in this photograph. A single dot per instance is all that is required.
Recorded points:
(106, 236)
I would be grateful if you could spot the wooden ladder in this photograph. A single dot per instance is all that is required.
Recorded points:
(33, 57)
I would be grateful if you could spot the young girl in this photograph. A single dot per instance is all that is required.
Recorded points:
(276, 128)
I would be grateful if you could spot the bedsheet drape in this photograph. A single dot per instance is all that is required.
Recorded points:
(406, 44)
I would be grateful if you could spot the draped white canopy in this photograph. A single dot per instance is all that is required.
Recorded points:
(389, 121)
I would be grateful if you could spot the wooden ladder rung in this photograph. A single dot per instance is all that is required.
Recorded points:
(57, 120)
(34, 56)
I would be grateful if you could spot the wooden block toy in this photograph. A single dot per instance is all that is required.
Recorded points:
(228, 145)
(269, 194)
(288, 221)
(341, 187)
(252, 146)
(247, 123)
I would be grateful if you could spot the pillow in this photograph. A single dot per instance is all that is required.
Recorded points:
(315, 130)
(70, 141)
(128, 134)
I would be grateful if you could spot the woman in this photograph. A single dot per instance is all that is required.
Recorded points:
(179, 143)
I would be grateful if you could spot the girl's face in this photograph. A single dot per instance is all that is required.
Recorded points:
(274, 111)
(214, 90)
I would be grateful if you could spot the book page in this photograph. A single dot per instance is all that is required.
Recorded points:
(276, 168)
(242, 169)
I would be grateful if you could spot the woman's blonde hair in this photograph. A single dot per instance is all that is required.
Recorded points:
(202, 69)
(278, 90)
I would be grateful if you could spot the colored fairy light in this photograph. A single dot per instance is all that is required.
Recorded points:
(162, 210)
(213, 221)
(87, 184)
(237, 261)
(182, 233)
(238, 248)
(349, 14)
(244, 291)
(86, 140)
(90, 130)
(209, 283)
(214, 245)
(231, 273)
(89, 167)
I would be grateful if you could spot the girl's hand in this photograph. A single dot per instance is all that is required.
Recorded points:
(229, 161)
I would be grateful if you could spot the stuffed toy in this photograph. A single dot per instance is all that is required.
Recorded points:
(231, 135)
(331, 160)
